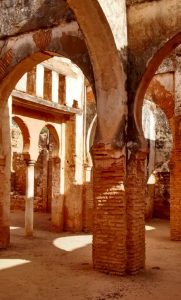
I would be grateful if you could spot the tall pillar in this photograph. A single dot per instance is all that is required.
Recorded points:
(5, 173)
(4, 208)
(29, 198)
(175, 165)
(49, 193)
(70, 199)
(109, 228)
(175, 195)
(73, 175)
(135, 198)
(56, 196)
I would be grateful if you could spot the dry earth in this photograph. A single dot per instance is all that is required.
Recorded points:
(58, 267)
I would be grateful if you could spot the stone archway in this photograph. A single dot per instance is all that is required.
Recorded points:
(109, 82)
(152, 66)
(174, 120)
(47, 171)
(20, 152)
(20, 55)
(23, 52)
(25, 133)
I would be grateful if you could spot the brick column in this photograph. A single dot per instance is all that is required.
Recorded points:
(175, 164)
(135, 197)
(175, 195)
(4, 207)
(109, 229)
(29, 209)
(5, 173)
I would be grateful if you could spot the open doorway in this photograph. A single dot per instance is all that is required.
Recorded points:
(49, 104)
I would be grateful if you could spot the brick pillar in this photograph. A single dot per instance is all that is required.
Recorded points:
(4, 207)
(135, 197)
(29, 207)
(175, 164)
(175, 196)
(5, 173)
(109, 229)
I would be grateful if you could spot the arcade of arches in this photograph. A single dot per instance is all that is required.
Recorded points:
(90, 121)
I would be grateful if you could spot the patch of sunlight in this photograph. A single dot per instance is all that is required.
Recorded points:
(10, 263)
(148, 227)
(151, 179)
(70, 243)
(14, 227)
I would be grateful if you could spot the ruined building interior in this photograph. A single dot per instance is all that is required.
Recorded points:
(90, 143)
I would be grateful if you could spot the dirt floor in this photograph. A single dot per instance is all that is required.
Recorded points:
(58, 267)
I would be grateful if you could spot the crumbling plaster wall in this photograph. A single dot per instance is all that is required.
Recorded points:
(115, 12)
(163, 144)
(161, 95)
(157, 130)
(27, 15)
(153, 23)
(159, 139)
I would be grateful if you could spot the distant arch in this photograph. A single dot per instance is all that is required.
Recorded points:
(25, 133)
(56, 142)
(153, 65)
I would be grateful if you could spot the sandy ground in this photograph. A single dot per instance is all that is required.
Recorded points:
(58, 267)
